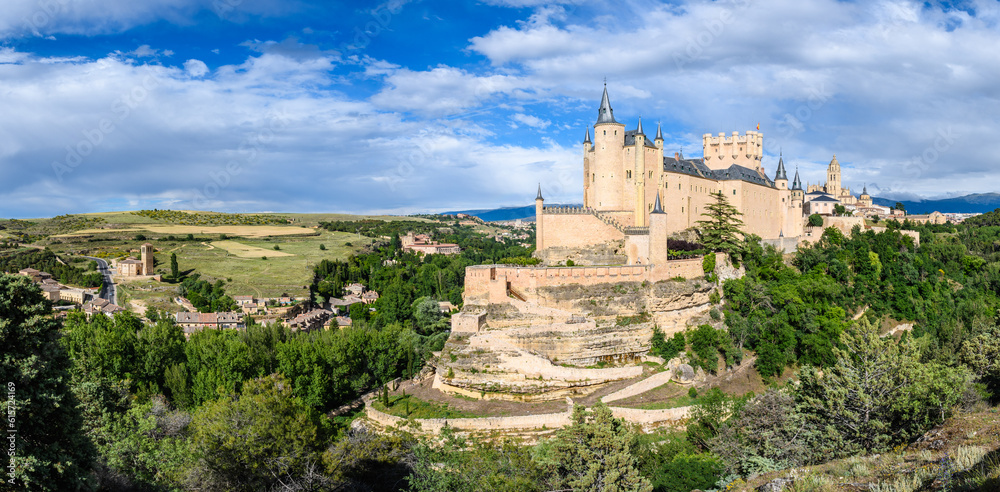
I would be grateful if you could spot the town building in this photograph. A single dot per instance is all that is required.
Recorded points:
(101, 306)
(192, 322)
(422, 243)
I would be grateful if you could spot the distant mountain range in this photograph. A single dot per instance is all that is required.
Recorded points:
(506, 213)
(968, 204)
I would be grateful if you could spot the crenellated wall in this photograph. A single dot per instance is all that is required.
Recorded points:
(527, 280)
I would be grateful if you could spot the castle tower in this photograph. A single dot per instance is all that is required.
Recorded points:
(780, 178)
(606, 168)
(657, 234)
(639, 177)
(588, 146)
(797, 193)
(833, 177)
(147, 258)
(539, 208)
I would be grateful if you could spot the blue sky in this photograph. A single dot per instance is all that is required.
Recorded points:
(411, 106)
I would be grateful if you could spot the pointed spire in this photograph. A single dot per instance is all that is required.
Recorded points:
(539, 197)
(781, 169)
(865, 190)
(659, 133)
(586, 139)
(605, 114)
(657, 209)
(639, 130)
(796, 184)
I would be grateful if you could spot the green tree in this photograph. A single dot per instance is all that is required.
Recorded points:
(175, 270)
(52, 452)
(815, 220)
(257, 440)
(721, 230)
(595, 453)
(463, 465)
(878, 393)
(839, 210)
(900, 206)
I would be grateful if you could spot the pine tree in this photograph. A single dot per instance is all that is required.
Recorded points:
(595, 454)
(721, 230)
(52, 452)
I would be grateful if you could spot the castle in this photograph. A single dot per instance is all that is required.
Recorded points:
(635, 194)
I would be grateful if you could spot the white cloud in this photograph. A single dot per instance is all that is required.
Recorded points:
(196, 68)
(532, 121)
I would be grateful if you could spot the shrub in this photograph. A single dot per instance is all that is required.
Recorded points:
(322, 247)
(816, 220)
(276, 248)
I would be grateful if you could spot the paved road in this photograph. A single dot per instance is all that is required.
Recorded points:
(108, 292)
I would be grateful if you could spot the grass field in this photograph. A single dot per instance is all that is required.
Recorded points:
(245, 251)
(288, 271)
(238, 260)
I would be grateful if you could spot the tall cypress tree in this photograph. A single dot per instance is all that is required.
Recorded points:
(52, 452)
(721, 230)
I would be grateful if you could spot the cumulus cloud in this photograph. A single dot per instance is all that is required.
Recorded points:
(532, 121)
(196, 68)
(43, 18)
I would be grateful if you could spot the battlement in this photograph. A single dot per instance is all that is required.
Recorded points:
(723, 151)
(497, 281)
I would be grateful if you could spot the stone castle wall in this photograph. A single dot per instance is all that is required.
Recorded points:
(576, 230)
(526, 422)
(527, 280)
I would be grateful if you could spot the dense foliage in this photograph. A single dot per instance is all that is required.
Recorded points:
(189, 218)
(48, 262)
(133, 405)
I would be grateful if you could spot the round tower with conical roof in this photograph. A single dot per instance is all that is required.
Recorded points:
(606, 168)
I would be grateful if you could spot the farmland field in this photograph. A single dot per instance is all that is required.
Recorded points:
(180, 230)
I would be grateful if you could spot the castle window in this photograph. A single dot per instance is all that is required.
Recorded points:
(682, 209)
(605, 132)
(734, 192)
(593, 177)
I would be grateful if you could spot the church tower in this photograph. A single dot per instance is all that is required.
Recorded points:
(833, 178)
(607, 168)
(658, 253)
(147, 258)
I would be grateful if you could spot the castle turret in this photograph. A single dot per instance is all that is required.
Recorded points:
(797, 193)
(588, 146)
(539, 208)
(659, 137)
(658, 234)
(780, 178)
(607, 168)
(638, 174)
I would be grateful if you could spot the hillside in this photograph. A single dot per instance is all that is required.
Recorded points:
(975, 203)
(508, 213)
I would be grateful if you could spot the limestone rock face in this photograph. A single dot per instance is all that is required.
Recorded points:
(570, 340)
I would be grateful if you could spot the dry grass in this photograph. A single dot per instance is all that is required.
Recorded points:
(245, 251)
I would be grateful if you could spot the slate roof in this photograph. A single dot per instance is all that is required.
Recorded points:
(824, 198)
(696, 167)
(630, 139)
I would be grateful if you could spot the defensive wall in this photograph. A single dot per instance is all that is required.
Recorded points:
(496, 281)
(650, 418)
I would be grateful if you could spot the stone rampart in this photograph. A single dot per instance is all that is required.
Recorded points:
(524, 422)
(479, 278)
